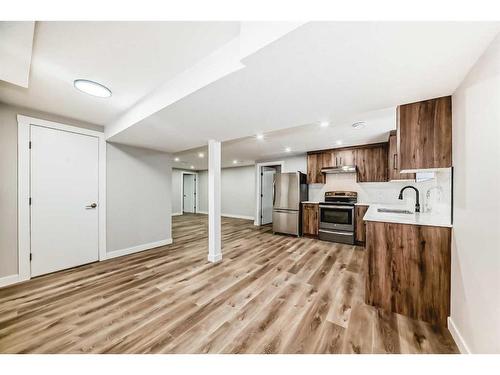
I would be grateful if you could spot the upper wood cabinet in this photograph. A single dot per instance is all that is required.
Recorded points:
(372, 163)
(339, 157)
(424, 134)
(310, 219)
(314, 166)
(393, 170)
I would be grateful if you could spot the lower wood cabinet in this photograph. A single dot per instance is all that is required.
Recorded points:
(360, 226)
(408, 270)
(310, 219)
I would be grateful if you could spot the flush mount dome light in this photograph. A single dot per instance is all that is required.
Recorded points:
(359, 125)
(92, 88)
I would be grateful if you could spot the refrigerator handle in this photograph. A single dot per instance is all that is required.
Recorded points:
(274, 192)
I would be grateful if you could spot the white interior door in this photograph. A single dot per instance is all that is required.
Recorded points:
(64, 188)
(267, 195)
(188, 191)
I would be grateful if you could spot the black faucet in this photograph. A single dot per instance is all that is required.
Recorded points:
(417, 204)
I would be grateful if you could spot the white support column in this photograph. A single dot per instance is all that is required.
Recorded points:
(214, 227)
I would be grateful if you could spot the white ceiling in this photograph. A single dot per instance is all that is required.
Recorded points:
(131, 58)
(320, 71)
(263, 78)
(16, 45)
(248, 150)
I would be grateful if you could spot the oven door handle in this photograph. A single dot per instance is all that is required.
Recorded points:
(336, 232)
(348, 207)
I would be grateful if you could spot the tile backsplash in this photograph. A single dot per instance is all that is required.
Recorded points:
(435, 193)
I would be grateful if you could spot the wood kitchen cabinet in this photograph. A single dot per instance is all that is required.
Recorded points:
(310, 219)
(393, 170)
(339, 157)
(408, 270)
(372, 163)
(360, 226)
(424, 134)
(314, 166)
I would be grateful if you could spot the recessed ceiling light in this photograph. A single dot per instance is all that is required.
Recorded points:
(324, 124)
(92, 88)
(201, 155)
(176, 159)
(235, 161)
(288, 149)
(192, 167)
(259, 136)
(339, 142)
(359, 125)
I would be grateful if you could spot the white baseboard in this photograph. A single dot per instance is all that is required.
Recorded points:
(238, 216)
(459, 340)
(9, 280)
(136, 249)
(177, 214)
(230, 215)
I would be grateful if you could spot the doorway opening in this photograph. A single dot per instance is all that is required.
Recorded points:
(266, 173)
(189, 192)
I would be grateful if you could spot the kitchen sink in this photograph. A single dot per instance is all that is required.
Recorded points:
(394, 211)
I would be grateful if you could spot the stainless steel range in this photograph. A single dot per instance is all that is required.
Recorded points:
(336, 223)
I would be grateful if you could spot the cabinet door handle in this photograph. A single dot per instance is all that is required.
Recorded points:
(395, 167)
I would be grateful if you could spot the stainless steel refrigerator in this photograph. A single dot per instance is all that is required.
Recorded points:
(289, 190)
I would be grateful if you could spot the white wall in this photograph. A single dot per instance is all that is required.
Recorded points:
(138, 197)
(237, 192)
(475, 278)
(8, 179)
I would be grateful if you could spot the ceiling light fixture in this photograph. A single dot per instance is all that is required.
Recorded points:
(201, 155)
(92, 88)
(338, 143)
(324, 124)
(176, 159)
(259, 136)
(359, 125)
(235, 161)
(192, 167)
(288, 149)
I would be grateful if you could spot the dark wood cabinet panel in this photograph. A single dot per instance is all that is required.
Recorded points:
(314, 166)
(424, 134)
(408, 270)
(346, 157)
(310, 219)
(372, 163)
(393, 169)
(360, 231)
(339, 157)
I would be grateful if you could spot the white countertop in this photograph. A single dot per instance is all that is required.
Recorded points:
(310, 202)
(431, 219)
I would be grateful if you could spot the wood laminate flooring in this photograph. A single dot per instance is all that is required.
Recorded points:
(270, 294)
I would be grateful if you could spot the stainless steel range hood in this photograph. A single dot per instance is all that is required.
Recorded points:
(342, 169)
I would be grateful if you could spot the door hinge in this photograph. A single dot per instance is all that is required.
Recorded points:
(262, 195)
(30, 145)
(261, 173)
(31, 257)
(30, 200)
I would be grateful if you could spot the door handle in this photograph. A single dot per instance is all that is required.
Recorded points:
(395, 161)
(93, 205)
